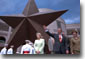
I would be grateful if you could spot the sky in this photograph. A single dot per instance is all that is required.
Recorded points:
(8, 7)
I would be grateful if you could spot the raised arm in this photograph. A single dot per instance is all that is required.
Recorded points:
(47, 31)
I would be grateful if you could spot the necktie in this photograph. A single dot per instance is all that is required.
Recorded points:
(60, 39)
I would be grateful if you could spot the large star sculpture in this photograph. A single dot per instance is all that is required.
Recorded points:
(31, 21)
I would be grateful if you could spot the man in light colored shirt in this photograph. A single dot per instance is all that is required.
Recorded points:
(4, 50)
(10, 50)
(50, 44)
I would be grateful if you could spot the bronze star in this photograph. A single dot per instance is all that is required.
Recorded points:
(31, 21)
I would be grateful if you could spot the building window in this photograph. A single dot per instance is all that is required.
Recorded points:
(69, 31)
(59, 24)
(78, 31)
(55, 30)
(2, 40)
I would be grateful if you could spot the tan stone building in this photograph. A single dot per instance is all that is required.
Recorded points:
(72, 27)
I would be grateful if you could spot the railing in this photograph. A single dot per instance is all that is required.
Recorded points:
(3, 32)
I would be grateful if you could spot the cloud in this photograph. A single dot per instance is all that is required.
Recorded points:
(72, 20)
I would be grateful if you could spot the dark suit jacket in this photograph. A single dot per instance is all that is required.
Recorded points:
(57, 45)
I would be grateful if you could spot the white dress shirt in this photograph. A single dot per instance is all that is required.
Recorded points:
(3, 51)
(10, 51)
(26, 47)
(61, 36)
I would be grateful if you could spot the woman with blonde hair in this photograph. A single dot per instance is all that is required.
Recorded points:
(39, 44)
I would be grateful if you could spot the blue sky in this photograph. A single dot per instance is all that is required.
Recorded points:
(17, 6)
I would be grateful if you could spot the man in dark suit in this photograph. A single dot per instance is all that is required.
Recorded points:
(60, 45)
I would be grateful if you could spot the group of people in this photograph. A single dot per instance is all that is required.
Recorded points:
(61, 44)
(37, 48)
(57, 44)
(5, 51)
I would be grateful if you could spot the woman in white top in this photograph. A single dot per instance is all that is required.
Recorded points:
(39, 44)
(26, 49)
(4, 50)
(10, 50)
